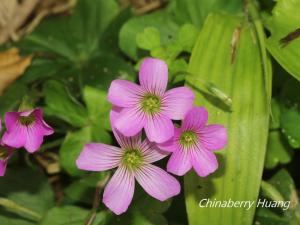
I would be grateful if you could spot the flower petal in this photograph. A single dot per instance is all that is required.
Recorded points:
(157, 182)
(152, 152)
(124, 93)
(99, 157)
(45, 128)
(179, 162)
(195, 119)
(11, 120)
(15, 137)
(159, 128)
(177, 102)
(119, 191)
(130, 121)
(204, 162)
(153, 75)
(172, 144)
(213, 137)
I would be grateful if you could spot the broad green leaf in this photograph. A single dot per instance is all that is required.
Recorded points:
(148, 39)
(83, 189)
(71, 148)
(97, 105)
(246, 79)
(290, 112)
(36, 195)
(196, 11)
(278, 150)
(283, 184)
(69, 215)
(59, 103)
(283, 44)
(12, 98)
(76, 37)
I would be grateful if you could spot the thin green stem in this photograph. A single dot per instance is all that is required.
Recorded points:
(18, 209)
(52, 144)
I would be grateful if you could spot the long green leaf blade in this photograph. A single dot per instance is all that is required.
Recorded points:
(228, 53)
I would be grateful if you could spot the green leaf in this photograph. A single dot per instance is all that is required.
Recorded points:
(160, 20)
(148, 39)
(278, 150)
(246, 79)
(12, 97)
(196, 11)
(97, 105)
(69, 215)
(71, 148)
(59, 103)
(83, 189)
(275, 114)
(290, 112)
(283, 184)
(36, 195)
(187, 37)
(283, 43)
(76, 37)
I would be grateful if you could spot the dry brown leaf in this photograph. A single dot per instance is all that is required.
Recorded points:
(12, 66)
(18, 18)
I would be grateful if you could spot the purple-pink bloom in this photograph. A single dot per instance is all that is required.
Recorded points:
(133, 161)
(5, 154)
(26, 129)
(193, 143)
(149, 105)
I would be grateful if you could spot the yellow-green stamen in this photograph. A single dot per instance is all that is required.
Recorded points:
(132, 158)
(188, 138)
(151, 103)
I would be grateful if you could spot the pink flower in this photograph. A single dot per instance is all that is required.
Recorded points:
(133, 161)
(193, 143)
(149, 105)
(5, 154)
(26, 129)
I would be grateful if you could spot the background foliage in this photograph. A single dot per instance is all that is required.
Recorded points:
(232, 44)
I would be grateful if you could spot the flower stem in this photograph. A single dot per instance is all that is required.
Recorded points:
(96, 203)
(52, 144)
(18, 209)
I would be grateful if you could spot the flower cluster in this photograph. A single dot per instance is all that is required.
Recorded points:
(152, 108)
(23, 129)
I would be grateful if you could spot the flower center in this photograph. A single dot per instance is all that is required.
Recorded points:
(188, 138)
(132, 158)
(27, 120)
(151, 103)
(3, 152)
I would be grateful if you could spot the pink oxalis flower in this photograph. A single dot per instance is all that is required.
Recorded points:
(149, 105)
(193, 143)
(26, 129)
(134, 162)
(5, 154)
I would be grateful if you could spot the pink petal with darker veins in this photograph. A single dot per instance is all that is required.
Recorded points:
(179, 162)
(177, 102)
(119, 191)
(153, 75)
(213, 137)
(157, 182)
(196, 118)
(124, 93)
(159, 128)
(130, 121)
(99, 157)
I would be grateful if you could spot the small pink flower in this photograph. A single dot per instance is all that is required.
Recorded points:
(149, 105)
(133, 161)
(5, 154)
(26, 129)
(193, 143)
